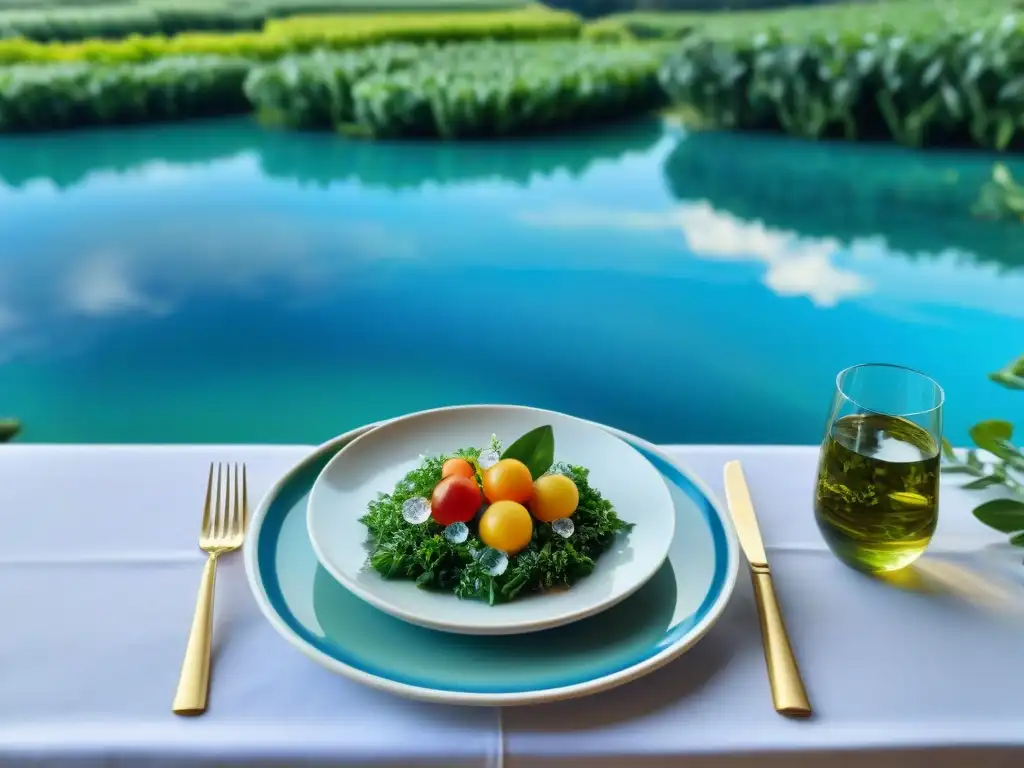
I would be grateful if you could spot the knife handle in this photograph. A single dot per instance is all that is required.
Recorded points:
(788, 694)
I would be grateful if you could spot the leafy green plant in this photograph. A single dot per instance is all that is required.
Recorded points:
(315, 92)
(9, 429)
(1001, 197)
(74, 95)
(1007, 470)
(422, 553)
(939, 87)
(536, 449)
(464, 90)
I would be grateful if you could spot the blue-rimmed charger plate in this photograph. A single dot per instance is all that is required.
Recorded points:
(348, 636)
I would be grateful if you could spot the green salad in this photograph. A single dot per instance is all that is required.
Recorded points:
(492, 525)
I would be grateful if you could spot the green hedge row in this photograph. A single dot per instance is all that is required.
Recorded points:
(75, 95)
(170, 17)
(399, 89)
(303, 34)
(800, 21)
(469, 90)
(316, 91)
(953, 88)
(112, 22)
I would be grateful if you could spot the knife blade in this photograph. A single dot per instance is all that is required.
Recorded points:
(741, 507)
(788, 693)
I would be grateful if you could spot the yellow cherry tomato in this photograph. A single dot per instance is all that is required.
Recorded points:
(508, 480)
(554, 497)
(506, 526)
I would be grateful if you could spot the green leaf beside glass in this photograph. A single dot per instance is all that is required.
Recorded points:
(995, 436)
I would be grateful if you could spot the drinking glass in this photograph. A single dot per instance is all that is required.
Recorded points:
(876, 500)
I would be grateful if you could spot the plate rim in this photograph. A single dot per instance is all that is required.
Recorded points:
(522, 627)
(405, 690)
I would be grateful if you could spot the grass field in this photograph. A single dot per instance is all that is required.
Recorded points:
(899, 16)
(114, 20)
(304, 6)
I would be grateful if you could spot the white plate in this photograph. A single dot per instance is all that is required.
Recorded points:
(317, 615)
(375, 462)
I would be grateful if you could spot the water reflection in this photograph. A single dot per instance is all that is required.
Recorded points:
(893, 229)
(316, 159)
(918, 204)
(796, 266)
(643, 285)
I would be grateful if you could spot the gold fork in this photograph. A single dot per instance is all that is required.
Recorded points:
(224, 518)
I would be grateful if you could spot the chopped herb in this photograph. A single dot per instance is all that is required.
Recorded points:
(422, 554)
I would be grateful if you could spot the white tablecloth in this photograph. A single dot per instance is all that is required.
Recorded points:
(98, 575)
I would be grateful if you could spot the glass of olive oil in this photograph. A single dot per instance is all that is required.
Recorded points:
(876, 499)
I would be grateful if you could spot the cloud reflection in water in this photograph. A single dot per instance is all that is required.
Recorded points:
(796, 265)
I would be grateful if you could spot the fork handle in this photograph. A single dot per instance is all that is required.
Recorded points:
(194, 682)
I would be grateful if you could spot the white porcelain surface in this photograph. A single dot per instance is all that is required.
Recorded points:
(375, 462)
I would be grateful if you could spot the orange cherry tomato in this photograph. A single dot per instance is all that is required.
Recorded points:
(459, 467)
(455, 499)
(554, 497)
(508, 480)
(507, 526)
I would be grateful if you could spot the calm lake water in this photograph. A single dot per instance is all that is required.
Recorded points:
(222, 282)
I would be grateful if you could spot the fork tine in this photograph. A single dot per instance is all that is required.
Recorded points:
(207, 527)
(218, 517)
(225, 518)
(236, 512)
(245, 501)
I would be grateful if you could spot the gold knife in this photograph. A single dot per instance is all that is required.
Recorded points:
(788, 692)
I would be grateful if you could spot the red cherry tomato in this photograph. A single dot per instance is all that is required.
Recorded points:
(455, 500)
(457, 467)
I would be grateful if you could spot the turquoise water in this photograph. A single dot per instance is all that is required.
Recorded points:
(220, 282)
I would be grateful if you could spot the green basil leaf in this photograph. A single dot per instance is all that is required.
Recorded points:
(536, 449)
(992, 435)
(1006, 380)
(1011, 376)
(1017, 367)
(1017, 539)
(8, 429)
(973, 461)
(1014, 458)
(983, 482)
(1006, 515)
(947, 450)
(954, 469)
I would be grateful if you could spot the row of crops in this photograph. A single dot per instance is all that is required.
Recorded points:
(53, 22)
(78, 95)
(301, 34)
(802, 20)
(395, 90)
(409, 75)
(954, 87)
(461, 91)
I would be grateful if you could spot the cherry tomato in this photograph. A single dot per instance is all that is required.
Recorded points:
(508, 480)
(459, 467)
(554, 497)
(506, 525)
(456, 499)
